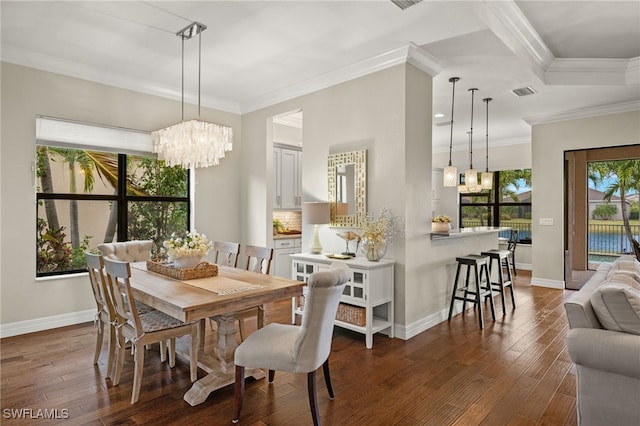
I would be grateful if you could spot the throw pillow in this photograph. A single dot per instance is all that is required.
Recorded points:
(617, 304)
(630, 267)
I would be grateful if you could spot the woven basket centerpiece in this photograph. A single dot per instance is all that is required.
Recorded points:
(201, 270)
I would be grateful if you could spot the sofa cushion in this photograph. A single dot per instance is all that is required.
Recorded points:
(617, 304)
(627, 266)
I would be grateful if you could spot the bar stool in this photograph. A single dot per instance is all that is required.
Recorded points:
(473, 261)
(501, 257)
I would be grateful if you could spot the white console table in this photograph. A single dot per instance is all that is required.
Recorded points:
(370, 287)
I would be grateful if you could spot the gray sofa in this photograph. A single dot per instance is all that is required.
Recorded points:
(604, 343)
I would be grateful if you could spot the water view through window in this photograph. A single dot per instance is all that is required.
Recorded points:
(613, 208)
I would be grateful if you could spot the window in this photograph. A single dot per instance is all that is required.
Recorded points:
(507, 204)
(87, 196)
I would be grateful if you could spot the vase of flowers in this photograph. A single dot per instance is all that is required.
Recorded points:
(441, 223)
(186, 251)
(377, 234)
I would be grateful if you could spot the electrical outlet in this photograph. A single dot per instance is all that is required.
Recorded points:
(545, 221)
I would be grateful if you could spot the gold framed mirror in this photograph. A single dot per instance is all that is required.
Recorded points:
(347, 172)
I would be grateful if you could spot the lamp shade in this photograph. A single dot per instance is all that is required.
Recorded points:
(315, 213)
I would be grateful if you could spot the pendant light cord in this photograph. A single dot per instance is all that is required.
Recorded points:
(487, 100)
(199, 67)
(453, 98)
(182, 78)
(473, 91)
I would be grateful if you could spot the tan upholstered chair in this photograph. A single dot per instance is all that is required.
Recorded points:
(106, 315)
(296, 349)
(127, 251)
(144, 329)
(130, 251)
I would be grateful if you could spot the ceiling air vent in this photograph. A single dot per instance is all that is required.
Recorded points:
(403, 4)
(524, 91)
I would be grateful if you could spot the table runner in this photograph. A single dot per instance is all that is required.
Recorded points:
(220, 285)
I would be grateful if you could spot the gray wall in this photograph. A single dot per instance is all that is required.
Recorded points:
(26, 93)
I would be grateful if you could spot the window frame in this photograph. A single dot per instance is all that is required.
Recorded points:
(122, 200)
(494, 202)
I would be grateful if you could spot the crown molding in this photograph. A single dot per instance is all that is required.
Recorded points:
(509, 24)
(598, 71)
(585, 113)
(411, 53)
(463, 147)
(83, 72)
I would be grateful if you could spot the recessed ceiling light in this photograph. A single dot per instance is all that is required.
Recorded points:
(439, 115)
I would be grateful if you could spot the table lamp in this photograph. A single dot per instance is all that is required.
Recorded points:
(315, 213)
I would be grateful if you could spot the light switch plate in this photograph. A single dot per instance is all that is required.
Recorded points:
(545, 221)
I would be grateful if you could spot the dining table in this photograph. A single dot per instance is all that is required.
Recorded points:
(217, 297)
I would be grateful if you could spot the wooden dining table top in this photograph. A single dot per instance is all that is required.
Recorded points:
(188, 303)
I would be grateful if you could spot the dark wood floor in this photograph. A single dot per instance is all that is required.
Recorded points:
(515, 372)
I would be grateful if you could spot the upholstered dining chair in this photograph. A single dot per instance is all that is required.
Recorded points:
(127, 251)
(130, 251)
(258, 260)
(296, 349)
(106, 315)
(144, 329)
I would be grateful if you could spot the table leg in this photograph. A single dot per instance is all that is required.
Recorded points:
(222, 372)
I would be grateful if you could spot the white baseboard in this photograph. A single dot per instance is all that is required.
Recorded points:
(423, 324)
(543, 282)
(46, 323)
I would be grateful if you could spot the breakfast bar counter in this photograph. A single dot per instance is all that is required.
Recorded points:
(468, 232)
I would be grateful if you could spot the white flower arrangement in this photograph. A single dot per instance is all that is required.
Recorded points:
(191, 244)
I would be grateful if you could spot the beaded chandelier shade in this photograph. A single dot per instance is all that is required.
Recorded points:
(192, 143)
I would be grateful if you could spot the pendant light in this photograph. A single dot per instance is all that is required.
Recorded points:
(487, 176)
(471, 175)
(451, 172)
(193, 143)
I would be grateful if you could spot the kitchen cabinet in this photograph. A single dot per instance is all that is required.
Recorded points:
(287, 178)
(283, 248)
(370, 289)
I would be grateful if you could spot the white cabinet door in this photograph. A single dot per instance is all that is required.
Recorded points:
(287, 179)
(283, 262)
(277, 177)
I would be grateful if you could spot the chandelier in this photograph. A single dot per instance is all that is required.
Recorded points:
(450, 175)
(487, 176)
(192, 143)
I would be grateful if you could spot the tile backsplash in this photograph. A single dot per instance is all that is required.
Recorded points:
(290, 219)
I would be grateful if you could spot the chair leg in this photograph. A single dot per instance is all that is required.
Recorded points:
(172, 352)
(100, 326)
(163, 350)
(119, 359)
(238, 393)
(272, 374)
(262, 315)
(327, 379)
(112, 352)
(313, 399)
(241, 328)
(137, 375)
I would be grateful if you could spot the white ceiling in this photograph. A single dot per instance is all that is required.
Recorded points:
(581, 57)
